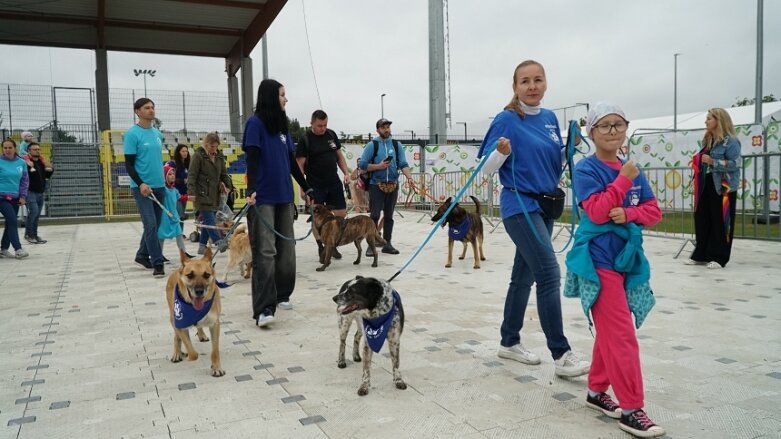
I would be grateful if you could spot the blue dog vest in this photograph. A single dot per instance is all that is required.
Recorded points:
(376, 330)
(185, 315)
(459, 233)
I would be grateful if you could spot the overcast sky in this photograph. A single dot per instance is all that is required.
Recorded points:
(592, 50)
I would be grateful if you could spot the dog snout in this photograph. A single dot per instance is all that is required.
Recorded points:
(199, 290)
(336, 298)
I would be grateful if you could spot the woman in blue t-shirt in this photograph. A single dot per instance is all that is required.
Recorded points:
(528, 157)
(14, 182)
(270, 163)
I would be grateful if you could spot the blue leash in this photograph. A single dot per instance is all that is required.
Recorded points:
(570, 154)
(453, 203)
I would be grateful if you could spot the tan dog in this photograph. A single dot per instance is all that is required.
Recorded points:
(240, 253)
(194, 300)
(335, 231)
(464, 226)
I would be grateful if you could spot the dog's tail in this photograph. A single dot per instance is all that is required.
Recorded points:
(477, 203)
(242, 228)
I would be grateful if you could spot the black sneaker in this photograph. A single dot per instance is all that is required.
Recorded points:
(159, 272)
(335, 254)
(30, 239)
(38, 240)
(605, 404)
(166, 260)
(369, 253)
(143, 263)
(638, 424)
(387, 248)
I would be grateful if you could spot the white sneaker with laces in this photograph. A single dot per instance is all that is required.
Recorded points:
(693, 262)
(713, 265)
(285, 305)
(21, 253)
(571, 365)
(6, 254)
(264, 320)
(518, 353)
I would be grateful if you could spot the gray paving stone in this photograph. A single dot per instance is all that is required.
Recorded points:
(27, 400)
(295, 369)
(725, 360)
(525, 379)
(681, 348)
(20, 421)
(40, 354)
(125, 395)
(59, 405)
(186, 386)
(242, 378)
(564, 396)
(38, 366)
(277, 381)
(293, 398)
(250, 353)
(312, 420)
(432, 348)
(263, 366)
(776, 375)
(465, 351)
(33, 382)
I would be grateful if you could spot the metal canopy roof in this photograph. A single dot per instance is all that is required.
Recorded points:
(228, 29)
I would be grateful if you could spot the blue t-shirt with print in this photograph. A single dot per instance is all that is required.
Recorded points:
(147, 145)
(592, 175)
(11, 172)
(273, 184)
(535, 162)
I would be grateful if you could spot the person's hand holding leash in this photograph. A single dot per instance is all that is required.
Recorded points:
(145, 189)
(251, 199)
(503, 146)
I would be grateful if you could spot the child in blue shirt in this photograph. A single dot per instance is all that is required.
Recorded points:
(170, 226)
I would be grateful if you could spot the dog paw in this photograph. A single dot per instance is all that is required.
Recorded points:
(204, 338)
(476, 267)
(218, 372)
(363, 390)
(374, 264)
(341, 364)
(320, 268)
(357, 358)
(401, 385)
(482, 258)
(177, 358)
(192, 356)
(356, 262)
(448, 265)
(460, 258)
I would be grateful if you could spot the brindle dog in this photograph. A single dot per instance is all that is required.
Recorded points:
(369, 298)
(335, 231)
(194, 300)
(473, 234)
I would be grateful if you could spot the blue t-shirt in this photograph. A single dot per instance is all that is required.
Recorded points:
(11, 173)
(147, 145)
(593, 175)
(169, 225)
(535, 157)
(273, 184)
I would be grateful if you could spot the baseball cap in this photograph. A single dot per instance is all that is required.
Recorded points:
(600, 110)
(382, 122)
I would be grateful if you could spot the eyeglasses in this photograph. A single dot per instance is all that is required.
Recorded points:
(607, 128)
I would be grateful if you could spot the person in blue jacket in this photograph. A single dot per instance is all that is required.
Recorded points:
(716, 179)
(528, 157)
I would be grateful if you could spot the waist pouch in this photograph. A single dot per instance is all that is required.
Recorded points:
(387, 186)
(551, 203)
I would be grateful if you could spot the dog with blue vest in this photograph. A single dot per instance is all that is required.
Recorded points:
(193, 296)
(464, 226)
(376, 307)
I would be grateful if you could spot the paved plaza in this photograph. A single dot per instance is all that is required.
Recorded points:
(86, 344)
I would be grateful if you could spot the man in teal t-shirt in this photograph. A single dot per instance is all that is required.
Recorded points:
(143, 148)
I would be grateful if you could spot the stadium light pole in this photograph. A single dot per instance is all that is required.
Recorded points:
(144, 72)
(675, 91)
(382, 105)
(464, 124)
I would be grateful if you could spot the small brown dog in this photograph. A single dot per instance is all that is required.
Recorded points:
(335, 231)
(240, 252)
(463, 226)
(194, 300)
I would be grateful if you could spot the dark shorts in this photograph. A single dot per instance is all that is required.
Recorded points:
(331, 196)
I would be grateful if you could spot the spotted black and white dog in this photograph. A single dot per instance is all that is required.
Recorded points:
(377, 309)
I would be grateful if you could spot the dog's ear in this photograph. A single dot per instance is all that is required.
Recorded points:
(447, 202)
(358, 276)
(208, 254)
(183, 256)
(374, 292)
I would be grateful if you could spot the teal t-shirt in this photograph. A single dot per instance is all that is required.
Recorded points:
(147, 145)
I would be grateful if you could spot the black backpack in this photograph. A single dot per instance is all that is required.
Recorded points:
(366, 176)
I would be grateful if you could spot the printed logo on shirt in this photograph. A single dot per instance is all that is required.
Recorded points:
(553, 132)
(283, 137)
(634, 196)
(332, 144)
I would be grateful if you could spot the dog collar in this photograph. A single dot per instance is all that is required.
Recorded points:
(185, 315)
(458, 233)
(376, 330)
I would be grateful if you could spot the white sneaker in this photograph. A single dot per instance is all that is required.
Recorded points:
(713, 265)
(264, 320)
(21, 253)
(518, 353)
(693, 262)
(6, 254)
(285, 305)
(571, 365)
